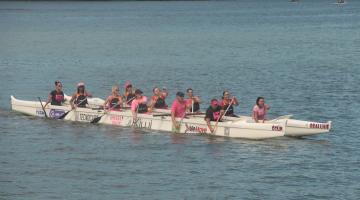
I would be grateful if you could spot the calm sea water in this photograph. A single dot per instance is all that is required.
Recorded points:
(303, 57)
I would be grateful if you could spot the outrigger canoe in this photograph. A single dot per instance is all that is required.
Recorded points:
(293, 127)
(242, 127)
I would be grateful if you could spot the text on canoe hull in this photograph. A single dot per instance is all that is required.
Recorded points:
(319, 125)
(140, 123)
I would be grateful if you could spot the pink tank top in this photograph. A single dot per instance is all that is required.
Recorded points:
(261, 112)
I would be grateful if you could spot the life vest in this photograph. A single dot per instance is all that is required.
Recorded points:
(81, 100)
(114, 103)
(159, 102)
(226, 104)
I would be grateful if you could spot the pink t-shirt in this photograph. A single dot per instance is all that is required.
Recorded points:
(261, 112)
(178, 108)
(136, 102)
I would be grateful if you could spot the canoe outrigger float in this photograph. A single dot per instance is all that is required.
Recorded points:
(242, 127)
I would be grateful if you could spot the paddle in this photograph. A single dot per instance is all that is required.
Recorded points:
(43, 107)
(64, 115)
(217, 121)
(97, 119)
(192, 105)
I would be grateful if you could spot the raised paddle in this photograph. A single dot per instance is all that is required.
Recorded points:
(64, 115)
(42, 107)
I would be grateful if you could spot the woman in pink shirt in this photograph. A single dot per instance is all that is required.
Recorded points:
(259, 110)
(178, 109)
(139, 104)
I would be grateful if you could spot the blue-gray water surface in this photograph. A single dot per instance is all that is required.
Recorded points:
(302, 57)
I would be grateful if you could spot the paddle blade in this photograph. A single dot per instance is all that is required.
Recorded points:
(96, 120)
(64, 115)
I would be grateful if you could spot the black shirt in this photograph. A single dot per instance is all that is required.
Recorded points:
(213, 114)
(57, 97)
(196, 107)
(81, 100)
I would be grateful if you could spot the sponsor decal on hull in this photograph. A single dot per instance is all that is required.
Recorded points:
(86, 117)
(277, 128)
(194, 129)
(40, 113)
(116, 119)
(56, 113)
(319, 126)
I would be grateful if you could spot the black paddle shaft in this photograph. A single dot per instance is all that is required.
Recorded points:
(42, 107)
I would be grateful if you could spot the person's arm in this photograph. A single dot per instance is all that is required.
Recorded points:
(88, 94)
(267, 107)
(106, 102)
(197, 99)
(72, 101)
(48, 100)
(209, 125)
(152, 104)
(255, 117)
(222, 113)
(124, 97)
(187, 105)
(235, 102)
(173, 118)
(176, 125)
(120, 102)
(134, 106)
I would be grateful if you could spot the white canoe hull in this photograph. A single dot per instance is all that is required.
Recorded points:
(191, 125)
(293, 127)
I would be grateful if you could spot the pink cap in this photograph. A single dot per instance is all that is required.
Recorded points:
(214, 102)
(80, 84)
(127, 84)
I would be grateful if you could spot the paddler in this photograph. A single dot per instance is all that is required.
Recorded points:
(129, 94)
(56, 97)
(114, 101)
(193, 102)
(229, 102)
(158, 99)
(259, 110)
(213, 113)
(178, 109)
(139, 104)
(79, 99)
